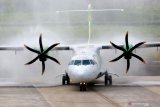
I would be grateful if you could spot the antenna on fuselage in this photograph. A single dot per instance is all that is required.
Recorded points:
(90, 10)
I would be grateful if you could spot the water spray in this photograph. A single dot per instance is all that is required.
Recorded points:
(89, 10)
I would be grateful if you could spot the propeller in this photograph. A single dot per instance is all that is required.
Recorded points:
(42, 54)
(127, 52)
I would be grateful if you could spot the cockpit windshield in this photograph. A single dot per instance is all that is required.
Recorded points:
(82, 62)
(86, 62)
(77, 62)
(71, 63)
(92, 62)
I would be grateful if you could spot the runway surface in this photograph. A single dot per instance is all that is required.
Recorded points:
(126, 92)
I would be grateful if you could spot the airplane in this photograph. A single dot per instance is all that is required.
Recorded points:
(84, 66)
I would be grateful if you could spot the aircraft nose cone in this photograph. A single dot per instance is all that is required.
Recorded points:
(82, 74)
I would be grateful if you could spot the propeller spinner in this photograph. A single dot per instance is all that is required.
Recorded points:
(127, 52)
(42, 54)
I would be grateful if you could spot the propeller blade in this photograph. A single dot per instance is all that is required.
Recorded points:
(136, 46)
(40, 43)
(120, 48)
(42, 54)
(43, 67)
(32, 60)
(53, 59)
(52, 46)
(33, 50)
(128, 65)
(126, 40)
(117, 58)
(138, 57)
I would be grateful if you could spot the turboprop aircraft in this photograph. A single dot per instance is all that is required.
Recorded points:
(84, 66)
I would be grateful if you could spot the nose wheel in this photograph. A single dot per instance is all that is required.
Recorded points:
(107, 79)
(83, 86)
(65, 80)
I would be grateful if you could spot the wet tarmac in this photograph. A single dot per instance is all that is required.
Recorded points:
(128, 91)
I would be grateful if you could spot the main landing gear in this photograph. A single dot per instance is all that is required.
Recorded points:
(65, 79)
(107, 79)
(83, 86)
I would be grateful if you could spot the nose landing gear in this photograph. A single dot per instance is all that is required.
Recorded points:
(83, 86)
(65, 79)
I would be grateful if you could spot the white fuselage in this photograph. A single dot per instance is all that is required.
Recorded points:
(85, 64)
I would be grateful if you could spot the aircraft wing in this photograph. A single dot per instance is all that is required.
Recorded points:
(127, 50)
(12, 48)
(107, 47)
(145, 45)
(20, 48)
(151, 44)
(62, 48)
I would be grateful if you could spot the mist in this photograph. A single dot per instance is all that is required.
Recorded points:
(23, 21)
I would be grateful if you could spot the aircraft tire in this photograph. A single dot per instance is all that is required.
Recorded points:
(110, 79)
(63, 80)
(106, 80)
(83, 87)
(67, 79)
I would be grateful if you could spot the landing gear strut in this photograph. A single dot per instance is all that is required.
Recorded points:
(107, 79)
(65, 79)
(83, 86)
